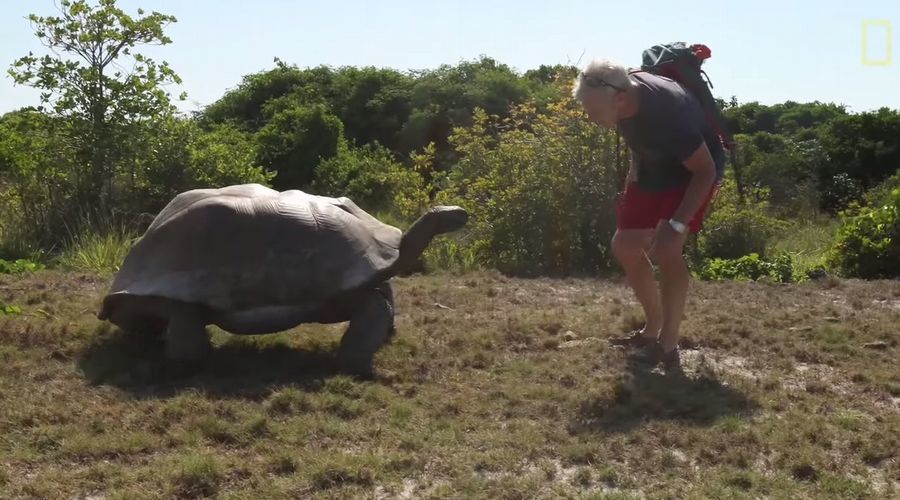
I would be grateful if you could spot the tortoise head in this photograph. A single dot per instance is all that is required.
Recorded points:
(448, 218)
(438, 220)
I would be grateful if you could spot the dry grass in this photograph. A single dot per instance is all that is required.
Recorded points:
(493, 388)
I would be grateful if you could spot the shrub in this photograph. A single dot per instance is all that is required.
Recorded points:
(295, 139)
(749, 267)
(539, 188)
(19, 266)
(373, 179)
(41, 176)
(182, 156)
(868, 241)
(9, 310)
(733, 230)
(839, 191)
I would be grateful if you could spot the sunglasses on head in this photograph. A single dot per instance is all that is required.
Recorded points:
(593, 81)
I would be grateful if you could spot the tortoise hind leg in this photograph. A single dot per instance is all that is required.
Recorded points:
(186, 337)
(370, 327)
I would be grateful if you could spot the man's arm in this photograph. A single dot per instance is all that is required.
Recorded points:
(632, 171)
(701, 165)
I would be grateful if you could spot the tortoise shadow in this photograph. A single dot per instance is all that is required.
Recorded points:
(134, 362)
(643, 395)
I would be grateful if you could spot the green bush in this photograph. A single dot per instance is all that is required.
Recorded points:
(38, 181)
(784, 167)
(733, 230)
(19, 266)
(223, 156)
(295, 139)
(373, 179)
(881, 193)
(749, 267)
(839, 191)
(868, 241)
(539, 188)
(40, 176)
(9, 310)
(181, 156)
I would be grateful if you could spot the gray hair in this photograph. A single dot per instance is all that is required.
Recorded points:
(601, 75)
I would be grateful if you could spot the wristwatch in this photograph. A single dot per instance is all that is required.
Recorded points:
(678, 226)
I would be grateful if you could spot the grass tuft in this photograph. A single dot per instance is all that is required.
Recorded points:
(96, 252)
(342, 471)
(196, 475)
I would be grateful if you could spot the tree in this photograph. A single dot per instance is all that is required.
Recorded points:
(294, 141)
(372, 103)
(34, 155)
(865, 146)
(93, 78)
(547, 74)
(180, 155)
(247, 105)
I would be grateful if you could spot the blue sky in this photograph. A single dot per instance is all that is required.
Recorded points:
(767, 51)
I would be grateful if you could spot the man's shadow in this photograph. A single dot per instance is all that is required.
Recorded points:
(644, 394)
(134, 362)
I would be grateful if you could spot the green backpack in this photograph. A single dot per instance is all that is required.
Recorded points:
(682, 64)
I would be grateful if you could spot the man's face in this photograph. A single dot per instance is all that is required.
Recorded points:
(602, 109)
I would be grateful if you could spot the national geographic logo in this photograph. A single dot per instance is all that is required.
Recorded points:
(876, 43)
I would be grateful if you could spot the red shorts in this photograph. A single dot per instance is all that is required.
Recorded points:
(640, 209)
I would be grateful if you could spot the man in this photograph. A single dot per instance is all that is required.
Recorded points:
(676, 165)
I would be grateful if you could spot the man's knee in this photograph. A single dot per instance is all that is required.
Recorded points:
(668, 256)
(627, 248)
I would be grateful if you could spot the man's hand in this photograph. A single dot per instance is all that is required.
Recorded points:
(667, 242)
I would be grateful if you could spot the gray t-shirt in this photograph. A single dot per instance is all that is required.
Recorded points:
(667, 129)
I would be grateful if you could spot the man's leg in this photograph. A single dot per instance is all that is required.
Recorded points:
(629, 247)
(675, 277)
(674, 281)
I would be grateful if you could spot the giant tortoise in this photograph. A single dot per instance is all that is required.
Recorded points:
(252, 260)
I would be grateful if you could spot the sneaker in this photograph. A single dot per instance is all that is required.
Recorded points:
(654, 355)
(634, 338)
(671, 360)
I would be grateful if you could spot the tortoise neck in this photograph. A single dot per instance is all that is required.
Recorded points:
(415, 241)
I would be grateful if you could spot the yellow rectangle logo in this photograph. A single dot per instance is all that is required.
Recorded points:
(873, 32)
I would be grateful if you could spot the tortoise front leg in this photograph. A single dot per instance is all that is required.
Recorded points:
(370, 327)
(186, 337)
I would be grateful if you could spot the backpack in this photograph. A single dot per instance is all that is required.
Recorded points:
(680, 62)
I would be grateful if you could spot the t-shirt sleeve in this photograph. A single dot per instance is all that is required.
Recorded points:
(685, 133)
